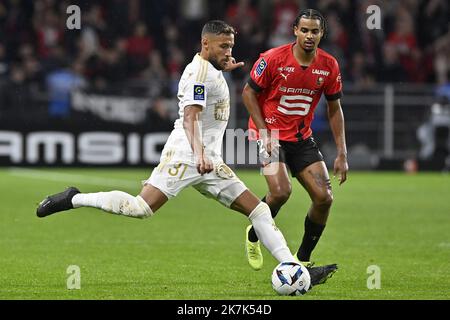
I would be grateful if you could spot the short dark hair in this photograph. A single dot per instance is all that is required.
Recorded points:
(217, 27)
(311, 14)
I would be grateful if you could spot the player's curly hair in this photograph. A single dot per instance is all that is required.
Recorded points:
(312, 14)
(217, 27)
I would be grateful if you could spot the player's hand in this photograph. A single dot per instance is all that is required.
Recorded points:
(204, 165)
(268, 149)
(231, 65)
(341, 168)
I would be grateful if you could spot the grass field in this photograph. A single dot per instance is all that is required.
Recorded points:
(193, 248)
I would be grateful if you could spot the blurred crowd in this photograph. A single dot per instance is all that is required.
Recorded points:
(142, 46)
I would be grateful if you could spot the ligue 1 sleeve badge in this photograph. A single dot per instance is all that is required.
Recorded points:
(260, 68)
(199, 92)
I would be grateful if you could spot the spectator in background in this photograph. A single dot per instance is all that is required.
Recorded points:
(284, 12)
(175, 65)
(114, 62)
(117, 17)
(337, 41)
(48, 32)
(16, 102)
(404, 41)
(60, 84)
(93, 27)
(156, 14)
(56, 59)
(34, 37)
(442, 59)
(139, 46)
(246, 19)
(158, 116)
(368, 41)
(391, 70)
(433, 18)
(33, 72)
(251, 43)
(156, 74)
(360, 72)
(193, 14)
(240, 12)
(15, 23)
(4, 64)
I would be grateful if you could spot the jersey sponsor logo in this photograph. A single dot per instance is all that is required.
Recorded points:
(199, 92)
(320, 72)
(270, 120)
(222, 110)
(261, 67)
(284, 75)
(297, 90)
(294, 105)
(286, 69)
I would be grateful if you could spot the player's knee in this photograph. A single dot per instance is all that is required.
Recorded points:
(140, 208)
(281, 194)
(261, 210)
(324, 199)
(122, 203)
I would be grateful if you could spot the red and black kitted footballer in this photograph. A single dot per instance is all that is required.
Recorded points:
(285, 85)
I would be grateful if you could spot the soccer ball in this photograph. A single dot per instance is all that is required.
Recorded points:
(291, 279)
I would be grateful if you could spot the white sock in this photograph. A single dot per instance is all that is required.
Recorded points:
(117, 202)
(270, 236)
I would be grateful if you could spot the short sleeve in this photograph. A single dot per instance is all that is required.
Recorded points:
(193, 93)
(333, 89)
(261, 75)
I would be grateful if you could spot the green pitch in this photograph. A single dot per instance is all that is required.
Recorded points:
(193, 248)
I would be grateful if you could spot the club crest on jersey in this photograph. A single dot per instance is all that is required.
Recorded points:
(319, 81)
(261, 67)
(199, 92)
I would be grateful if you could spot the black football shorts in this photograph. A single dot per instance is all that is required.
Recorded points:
(299, 155)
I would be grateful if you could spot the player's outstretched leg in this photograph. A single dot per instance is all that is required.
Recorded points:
(58, 202)
(117, 202)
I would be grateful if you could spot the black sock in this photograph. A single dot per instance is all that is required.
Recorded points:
(313, 231)
(252, 234)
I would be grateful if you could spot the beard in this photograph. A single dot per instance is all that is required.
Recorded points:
(216, 64)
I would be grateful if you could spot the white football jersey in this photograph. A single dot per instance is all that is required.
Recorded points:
(201, 84)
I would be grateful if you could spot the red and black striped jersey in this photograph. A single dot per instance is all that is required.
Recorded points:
(289, 92)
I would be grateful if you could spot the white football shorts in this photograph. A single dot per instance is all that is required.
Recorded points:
(221, 184)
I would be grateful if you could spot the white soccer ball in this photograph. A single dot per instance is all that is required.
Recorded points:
(291, 279)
